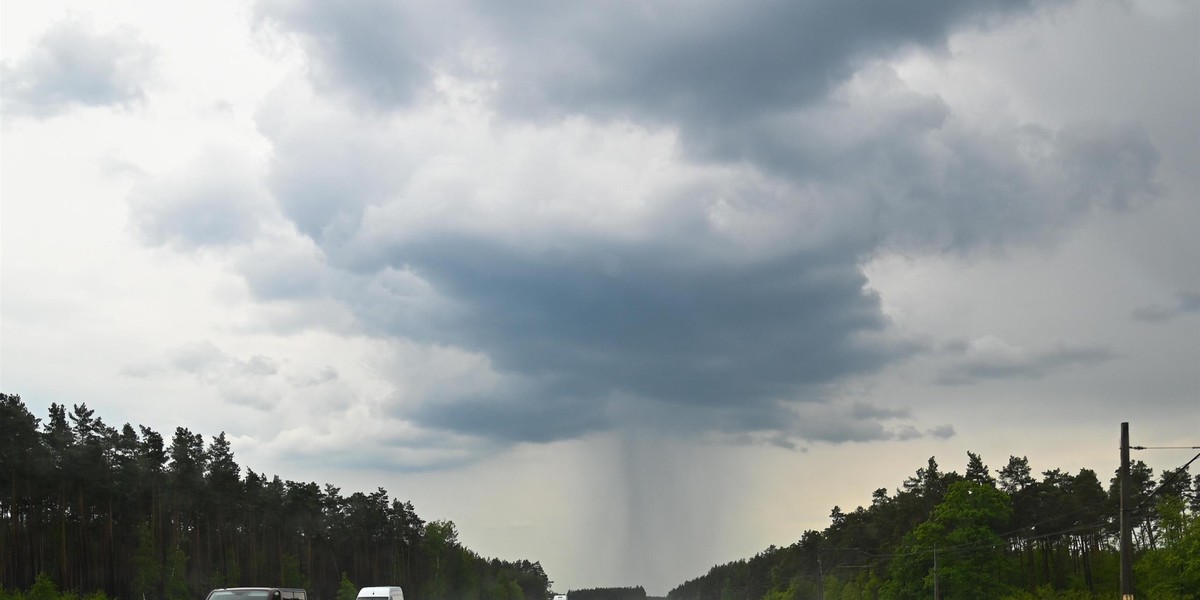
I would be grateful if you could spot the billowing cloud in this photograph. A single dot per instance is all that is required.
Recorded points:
(579, 221)
(707, 63)
(73, 64)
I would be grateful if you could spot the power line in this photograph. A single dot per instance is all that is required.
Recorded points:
(1167, 481)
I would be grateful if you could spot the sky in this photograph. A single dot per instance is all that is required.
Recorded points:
(631, 289)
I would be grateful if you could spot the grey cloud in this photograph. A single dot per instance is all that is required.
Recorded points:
(325, 375)
(379, 48)
(925, 181)
(215, 202)
(410, 452)
(994, 360)
(692, 331)
(706, 65)
(705, 62)
(793, 88)
(684, 334)
(259, 366)
(698, 337)
(683, 320)
(327, 172)
(197, 358)
(257, 382)
(858, 422)
(867, 411)
(537, 417)
(74, 65)
(284, 273)
(1187, 303)
(1114, 164)
(944, 432)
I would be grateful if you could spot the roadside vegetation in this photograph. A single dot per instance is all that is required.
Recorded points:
(1012, 536)
(93, 512)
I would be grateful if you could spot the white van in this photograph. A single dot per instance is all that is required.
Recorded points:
(381, 593)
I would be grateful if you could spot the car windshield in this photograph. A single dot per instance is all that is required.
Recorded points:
(238, 594)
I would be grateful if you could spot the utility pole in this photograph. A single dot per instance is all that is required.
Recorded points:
(1126, 519)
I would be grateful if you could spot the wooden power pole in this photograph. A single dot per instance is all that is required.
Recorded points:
(1126, 519)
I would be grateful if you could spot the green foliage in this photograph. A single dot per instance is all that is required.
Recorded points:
(515, 592)
(1047, 592)
(346, 589)
(146, 566)
(789, 593)
(176, 587)
(1020, 537)
(957, 549)
(43, 588)
(289, 571)
(1173, 571)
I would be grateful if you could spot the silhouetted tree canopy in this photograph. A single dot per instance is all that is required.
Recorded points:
(94, 508)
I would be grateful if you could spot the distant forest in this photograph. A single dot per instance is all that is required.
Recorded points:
(91, 509)
(100, 512)
(978, 537)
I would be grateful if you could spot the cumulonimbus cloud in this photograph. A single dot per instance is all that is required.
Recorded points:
(646, 213)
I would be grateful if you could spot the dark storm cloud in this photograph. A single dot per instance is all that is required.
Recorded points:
(793, 88)
(71, 65)
(381, 49)
(667, 327)
(704, 65)
(690, 327)
(696, 63)
(590, 345)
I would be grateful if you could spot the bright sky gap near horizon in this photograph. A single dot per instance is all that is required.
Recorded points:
(631, 288)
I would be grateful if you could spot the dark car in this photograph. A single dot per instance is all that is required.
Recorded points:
(258, 593)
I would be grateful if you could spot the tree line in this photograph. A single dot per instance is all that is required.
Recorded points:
(609, 593)
(1011, 536)
(128, 514)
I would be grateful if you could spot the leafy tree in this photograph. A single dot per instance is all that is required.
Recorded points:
(977, 471)
(176, 580)
(961, 540)
(147, 567)
(346, 589)
(43, 588)
(1173, 571)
